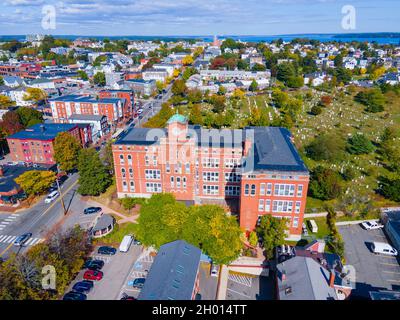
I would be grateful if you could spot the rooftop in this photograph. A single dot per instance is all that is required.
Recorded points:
(173, 273)
(76, 98)
(86, 117)
(46, 131)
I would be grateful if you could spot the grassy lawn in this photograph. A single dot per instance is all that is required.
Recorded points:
(118, 234)
(323, 229)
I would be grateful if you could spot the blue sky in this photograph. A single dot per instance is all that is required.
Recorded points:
(197, 17)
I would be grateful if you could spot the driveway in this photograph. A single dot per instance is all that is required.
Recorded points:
(373, 272)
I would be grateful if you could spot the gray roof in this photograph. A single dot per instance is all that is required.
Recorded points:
(273, 149)
(104, 222)
(173, 273)
(306, 279)
(86, 117)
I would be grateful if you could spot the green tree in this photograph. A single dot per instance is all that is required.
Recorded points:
(83, 75)
(326, 147)
(94, 177)
(373, 99)
(390, 188)
(325, 184)
(99, 79)
(272, 232)
(29, 116)
(253, 86)
(195, 116)
(295, 82)
(36, 182)
(316, 110)
(285, 71)
(359, 144)
(253, 238)
(66, 151)
(179, 88)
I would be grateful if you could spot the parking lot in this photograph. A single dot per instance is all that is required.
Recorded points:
(116, 269)
(138, 269)
(373, 272)
(249, 287)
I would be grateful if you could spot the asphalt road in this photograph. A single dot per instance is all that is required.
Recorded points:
(38, 220)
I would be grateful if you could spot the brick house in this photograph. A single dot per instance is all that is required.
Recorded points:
(36, 143)
(256, 170)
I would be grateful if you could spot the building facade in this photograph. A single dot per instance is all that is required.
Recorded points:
(256, 169)
(63, 107)
(36, 144)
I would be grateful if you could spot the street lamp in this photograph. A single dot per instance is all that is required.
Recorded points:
(59, 190)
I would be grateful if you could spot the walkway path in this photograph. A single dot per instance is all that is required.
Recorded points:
(123, 217)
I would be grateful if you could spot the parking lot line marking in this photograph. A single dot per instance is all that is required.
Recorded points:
(2, 237)
(5, 222)
(389, 264)
(396, 281)
(11, 239)
(395, 272)
(387, 257)
(240, 293)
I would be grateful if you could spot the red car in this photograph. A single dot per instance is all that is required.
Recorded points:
(93, 275)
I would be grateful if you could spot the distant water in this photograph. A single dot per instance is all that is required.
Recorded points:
(381, 38)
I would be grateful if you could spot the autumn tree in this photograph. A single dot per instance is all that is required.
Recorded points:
(66, 150)
(99, 79)
(188, 60)
(36, 182)
(5, 102)
(11, 123)
(29, 116)
(35, 95)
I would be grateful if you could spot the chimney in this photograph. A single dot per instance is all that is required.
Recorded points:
(332, 278)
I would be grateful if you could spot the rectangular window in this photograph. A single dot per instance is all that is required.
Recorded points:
(262, 189)
(232, 191)
(132, 186)
(167, 167)
(210, 176)
(300, 190)
(121, 159)
(267, 205)
(124, 186)
(154, 160)
(232, 177)
(153, 174)
(253, 189)
(246, 190)
(286, 190)
(261, 205)
(178, 182)
(269, 189)
(146, 160)
(295, 222)
(172, 182)
(298, 206)
(210, 190)
(184, 182)
(282, 206)
(153, 187)
(210, 162)
(187, 168)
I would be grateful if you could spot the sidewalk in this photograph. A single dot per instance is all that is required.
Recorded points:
(123, 219)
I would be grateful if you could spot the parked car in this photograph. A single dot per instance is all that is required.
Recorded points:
(383, 248)
(126, 297)
(214, 270)
(51, 197)
(138, 283)
(94, 264)
(93, 275)
(92, 210)
(125, 244)
(371, 225)
(75, 296)
(139, 111)
(305, 230)
(83, 286)
(110, 251)
(22, 239)
(136, 242)
(1, 157)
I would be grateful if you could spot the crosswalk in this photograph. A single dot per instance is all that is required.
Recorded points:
(244, 280)
(7, 220)
(10, 239)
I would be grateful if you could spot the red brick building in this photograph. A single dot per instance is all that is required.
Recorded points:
(128, 95)
(65, 106)
(36, 144)
(257, 169)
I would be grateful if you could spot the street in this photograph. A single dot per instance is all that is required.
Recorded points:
(39, 219)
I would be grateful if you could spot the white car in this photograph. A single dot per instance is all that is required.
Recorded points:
(371, 225)
(139, 111)
(51, 197)
(383, 248)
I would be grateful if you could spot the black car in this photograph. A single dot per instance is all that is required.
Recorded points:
(138, 283)
(83, 286)
(92, 210)
(107, 251)
(94, 264)
(75, 296)
(126, 297)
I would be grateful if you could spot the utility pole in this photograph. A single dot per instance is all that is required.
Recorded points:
(59, 191)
